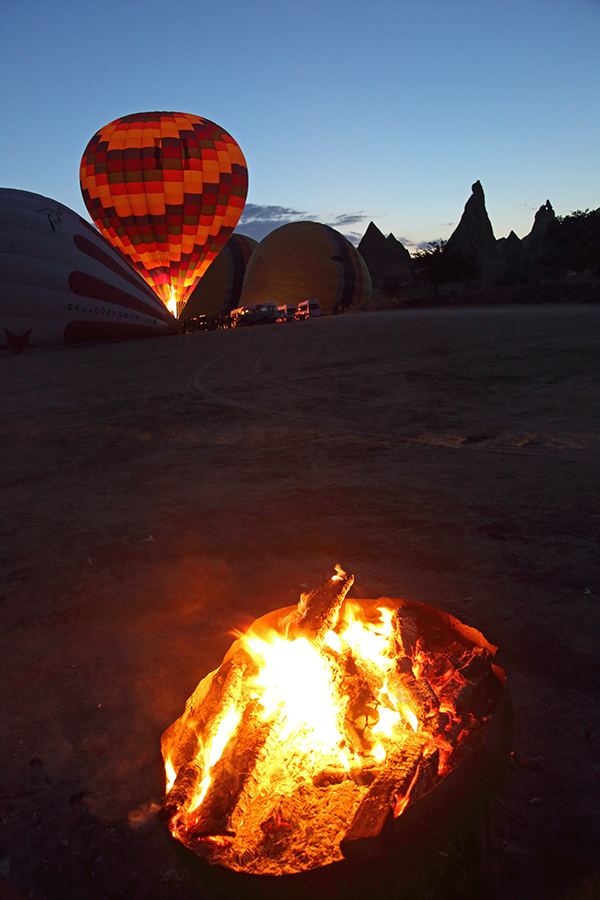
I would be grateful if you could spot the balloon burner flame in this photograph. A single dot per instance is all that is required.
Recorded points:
(172, 304)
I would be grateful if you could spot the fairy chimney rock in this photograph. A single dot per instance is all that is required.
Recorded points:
(473, 240)
(383, 255)
(533, 242)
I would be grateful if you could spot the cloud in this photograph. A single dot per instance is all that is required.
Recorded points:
(347, 219)
(341, 223)
(354, 237)
(258, 220)
(410, 244)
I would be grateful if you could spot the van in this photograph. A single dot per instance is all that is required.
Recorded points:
(267, 313)
(287, 313)
(308, 308)
(244, 315)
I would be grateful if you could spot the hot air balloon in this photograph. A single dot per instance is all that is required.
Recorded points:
(219, 290)
(306, 260)
(167, 189)
(60, 280)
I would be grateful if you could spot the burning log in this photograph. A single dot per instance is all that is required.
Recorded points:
(358, 713)
(405, 633)
(398, 776)
(184, 785)
(231, 773)
(208, 705)
(318, 723)
(318, 612)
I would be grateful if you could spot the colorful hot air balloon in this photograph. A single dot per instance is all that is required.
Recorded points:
(303, 261)
(218, 291)
(167, 189)
(61, 281)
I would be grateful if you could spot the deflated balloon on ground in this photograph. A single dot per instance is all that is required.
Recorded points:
(61, 281)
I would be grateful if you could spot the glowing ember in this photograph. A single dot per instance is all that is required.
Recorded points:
(320, 720)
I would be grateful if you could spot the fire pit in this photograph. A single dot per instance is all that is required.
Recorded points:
(336, 730)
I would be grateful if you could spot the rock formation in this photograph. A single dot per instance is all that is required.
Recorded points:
(512, 257)
(533, 244)
(472, 243)
(472, 266)
(388, 261)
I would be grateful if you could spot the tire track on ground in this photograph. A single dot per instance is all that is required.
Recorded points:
(279, 404)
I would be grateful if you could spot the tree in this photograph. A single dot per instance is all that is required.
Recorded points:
(436, 265)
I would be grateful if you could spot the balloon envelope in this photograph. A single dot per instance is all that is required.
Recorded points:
(167, 189)
(60, 280)
(219, 289)
(303, 261)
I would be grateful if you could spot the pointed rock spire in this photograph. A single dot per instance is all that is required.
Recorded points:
(473, 240)
(385, 257)
(545, 217)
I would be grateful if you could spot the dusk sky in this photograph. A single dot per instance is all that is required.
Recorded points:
(346, 112)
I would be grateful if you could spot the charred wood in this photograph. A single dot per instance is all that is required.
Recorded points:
(418, 691)
(183, 788)
(230, 774)
(205, 709)
(358, 713)
(405, 633)
(330, 775)
(318, 612)
(228, 689)
(395, 779)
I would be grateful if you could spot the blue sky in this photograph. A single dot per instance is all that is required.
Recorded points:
(346, 112)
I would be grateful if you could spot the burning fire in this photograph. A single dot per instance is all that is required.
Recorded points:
(315, 725)
(172, 304)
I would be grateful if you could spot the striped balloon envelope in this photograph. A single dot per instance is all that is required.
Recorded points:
(62, 282)
(219, 290)
(167, 189)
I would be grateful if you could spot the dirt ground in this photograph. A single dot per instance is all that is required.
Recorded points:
(157, 494)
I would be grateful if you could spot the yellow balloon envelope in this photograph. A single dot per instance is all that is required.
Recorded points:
(303, 261)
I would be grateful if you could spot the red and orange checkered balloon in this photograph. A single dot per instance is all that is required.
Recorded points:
(167, 189)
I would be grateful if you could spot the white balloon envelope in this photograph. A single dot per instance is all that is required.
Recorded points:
(62, 282)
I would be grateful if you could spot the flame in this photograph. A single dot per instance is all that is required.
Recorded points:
(214, 752)
(294, 681)
(300, 696)
(379, 753)
(339, 573)
(410, 716)
(316, 721)
(172, 304)
(224, 732)
(332, 639)
(170, 773)
(370, 641)
(387, 719)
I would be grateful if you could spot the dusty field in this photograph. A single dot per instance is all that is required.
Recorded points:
(157, 494)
